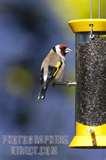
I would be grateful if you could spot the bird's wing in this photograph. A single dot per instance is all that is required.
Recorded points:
(52, 72)
(41, 75)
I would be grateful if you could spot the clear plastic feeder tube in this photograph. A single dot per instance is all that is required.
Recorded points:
(90, 109)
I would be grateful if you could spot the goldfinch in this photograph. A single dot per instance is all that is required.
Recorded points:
(52, 67)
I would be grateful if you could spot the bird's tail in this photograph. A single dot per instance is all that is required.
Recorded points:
(42, 92)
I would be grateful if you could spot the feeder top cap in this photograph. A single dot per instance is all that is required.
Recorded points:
(83, 25)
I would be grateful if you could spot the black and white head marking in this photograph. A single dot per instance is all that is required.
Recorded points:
(58, 51)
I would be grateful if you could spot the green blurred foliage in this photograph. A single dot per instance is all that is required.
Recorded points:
(75, 9)
(19, 81)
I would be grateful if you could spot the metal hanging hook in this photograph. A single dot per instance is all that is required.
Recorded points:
(91, 36)
(99, 8)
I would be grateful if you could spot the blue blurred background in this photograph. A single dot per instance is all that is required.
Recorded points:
(28, 29)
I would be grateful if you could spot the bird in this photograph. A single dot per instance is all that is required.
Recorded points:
(52, 67)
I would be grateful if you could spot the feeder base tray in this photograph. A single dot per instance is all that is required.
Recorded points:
(86, 142)
(89, 136)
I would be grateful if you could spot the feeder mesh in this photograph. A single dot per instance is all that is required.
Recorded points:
(91, 82)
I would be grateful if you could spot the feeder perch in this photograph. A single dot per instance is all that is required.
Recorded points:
(90, 108)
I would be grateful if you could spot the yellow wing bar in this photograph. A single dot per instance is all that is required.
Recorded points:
(58, 65)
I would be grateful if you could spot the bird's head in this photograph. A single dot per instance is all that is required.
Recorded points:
(62, 50)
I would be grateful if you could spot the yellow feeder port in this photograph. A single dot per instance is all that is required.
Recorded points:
(90, 39)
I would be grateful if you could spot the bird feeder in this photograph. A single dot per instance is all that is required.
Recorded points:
(90, 109)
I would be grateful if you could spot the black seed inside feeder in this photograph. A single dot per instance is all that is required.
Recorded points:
(91, 83)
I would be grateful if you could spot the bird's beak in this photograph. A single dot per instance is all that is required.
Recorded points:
(68, 50)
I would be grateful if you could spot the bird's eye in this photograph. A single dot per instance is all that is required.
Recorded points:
(54, 49)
